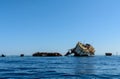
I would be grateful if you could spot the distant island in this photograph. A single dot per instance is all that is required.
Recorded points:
(44, 54)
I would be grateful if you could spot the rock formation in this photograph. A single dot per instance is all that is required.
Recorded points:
(21, 55)
(3, 55)
(81, 50)
(108, 54)
(43, 54)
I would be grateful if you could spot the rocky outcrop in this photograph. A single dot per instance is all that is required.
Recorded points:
(21, 55)
(81, 50)
(44, 54)
(3, 55)
(108, 54)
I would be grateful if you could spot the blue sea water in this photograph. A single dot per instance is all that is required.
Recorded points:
(97, 67)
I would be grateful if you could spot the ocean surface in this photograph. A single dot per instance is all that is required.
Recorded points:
(97, 67)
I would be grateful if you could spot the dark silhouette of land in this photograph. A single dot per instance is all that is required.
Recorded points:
(47, 54)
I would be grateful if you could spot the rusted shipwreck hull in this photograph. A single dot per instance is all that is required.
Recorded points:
(81, 50)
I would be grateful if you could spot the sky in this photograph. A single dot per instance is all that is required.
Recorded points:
(28, 26)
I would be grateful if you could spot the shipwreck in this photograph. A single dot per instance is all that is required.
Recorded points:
(81, 50)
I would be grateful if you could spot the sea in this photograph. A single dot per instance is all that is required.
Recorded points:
(28, 67)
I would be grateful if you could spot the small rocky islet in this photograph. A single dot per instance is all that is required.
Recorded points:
(44, 54)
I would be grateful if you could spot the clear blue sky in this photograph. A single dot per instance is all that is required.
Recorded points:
(27, 26)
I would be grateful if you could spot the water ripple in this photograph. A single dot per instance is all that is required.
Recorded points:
(99, 67)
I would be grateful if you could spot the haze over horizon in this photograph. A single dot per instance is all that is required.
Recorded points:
(28, 26)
